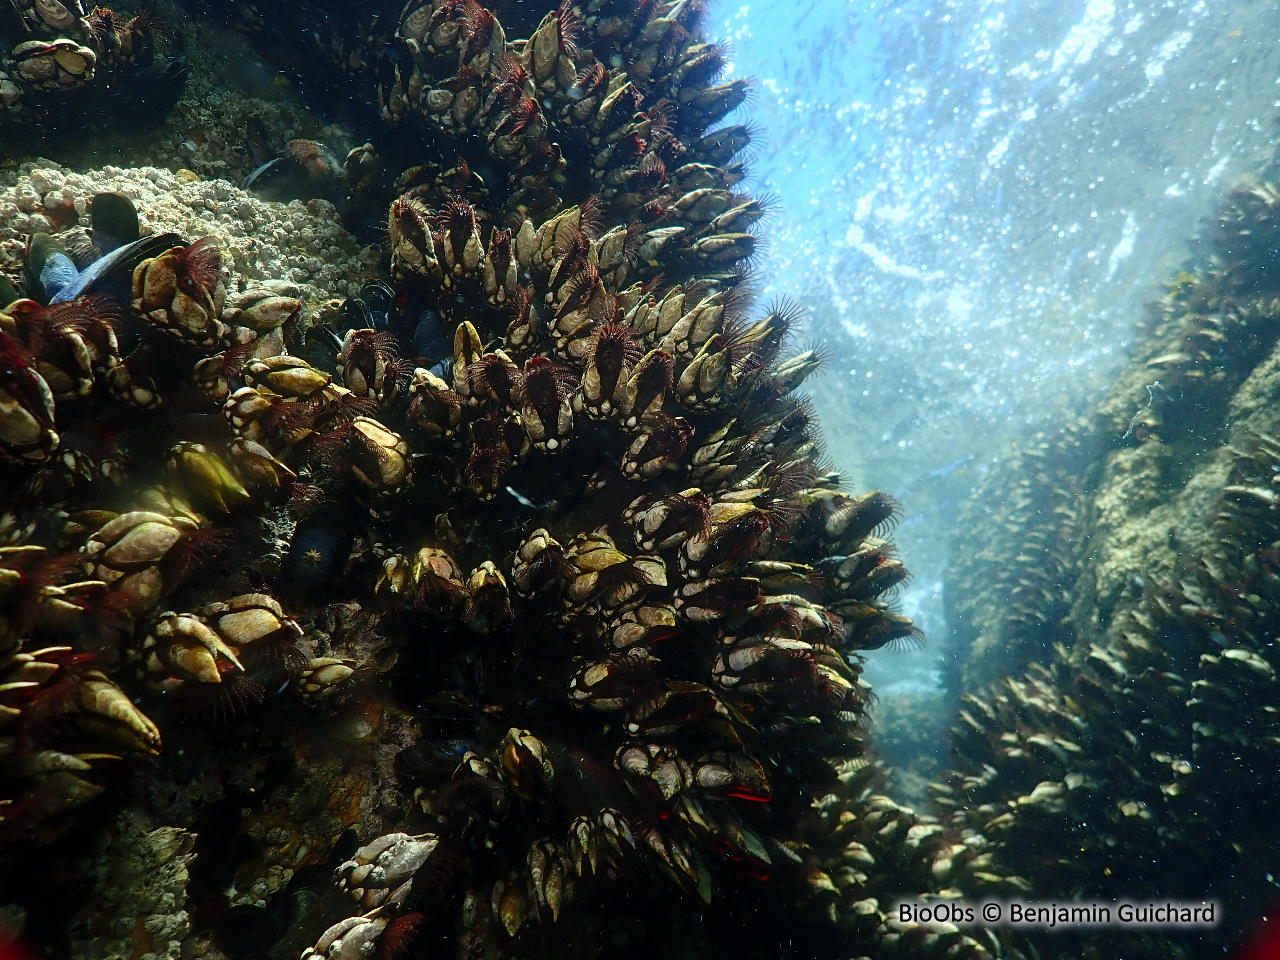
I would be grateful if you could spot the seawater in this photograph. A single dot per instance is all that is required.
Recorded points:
(976, 201)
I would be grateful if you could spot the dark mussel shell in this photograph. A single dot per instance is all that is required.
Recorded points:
(372, 309)
(321, 544)
(115, 221)
(430, 339)
(320, 348)
(430, 759)
(112, 274)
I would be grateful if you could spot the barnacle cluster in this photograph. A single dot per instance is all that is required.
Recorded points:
(1131, 760)
(1017, 580)
(665, 564)
(63, 719)
(82, 579)
(505, 607)
(543, 520)
(63, 47)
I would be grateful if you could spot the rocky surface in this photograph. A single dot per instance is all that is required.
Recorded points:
(140, 876)
(304, 244)
(1139, 748)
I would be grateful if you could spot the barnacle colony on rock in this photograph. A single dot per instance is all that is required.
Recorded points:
(623, 603)
(1134, 757)
(63, 48)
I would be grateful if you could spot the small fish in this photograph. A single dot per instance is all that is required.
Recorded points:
(307, 170)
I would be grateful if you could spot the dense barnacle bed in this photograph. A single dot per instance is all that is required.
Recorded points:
(507, 606)
(1115, 765)
(548, 512)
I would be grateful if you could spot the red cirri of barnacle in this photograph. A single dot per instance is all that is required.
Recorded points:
(572, 250)
(500, 250)
(459, 218)
(570, 29)
(489, 457)
(398, 936)
(774, 619)
(146, 22)
(547, 385)
(629, 679)
(372, 346)
(103, 23)
(650, 175)
(521, 113)
(200, 266)
(409, 220)
(886, 575)
(579, 290)
(622, 582)
(781, 506)
(289, 421)
(628, 149)
(670, 43)
(614, 351)
(224, 703)
(234, 359)
(510, 75)
(799, 419)
(738, 540)
(190, 553)
(465, 77)
(546, 156)
(838, 697)
(478, 24)
(518, 306)
(497, 375)
(665, 440)
(689, 515)
(590, 80)
(93, 317)
(706, 67)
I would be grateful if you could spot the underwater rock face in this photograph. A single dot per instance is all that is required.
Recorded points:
(513, 598)
(1144, 743)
